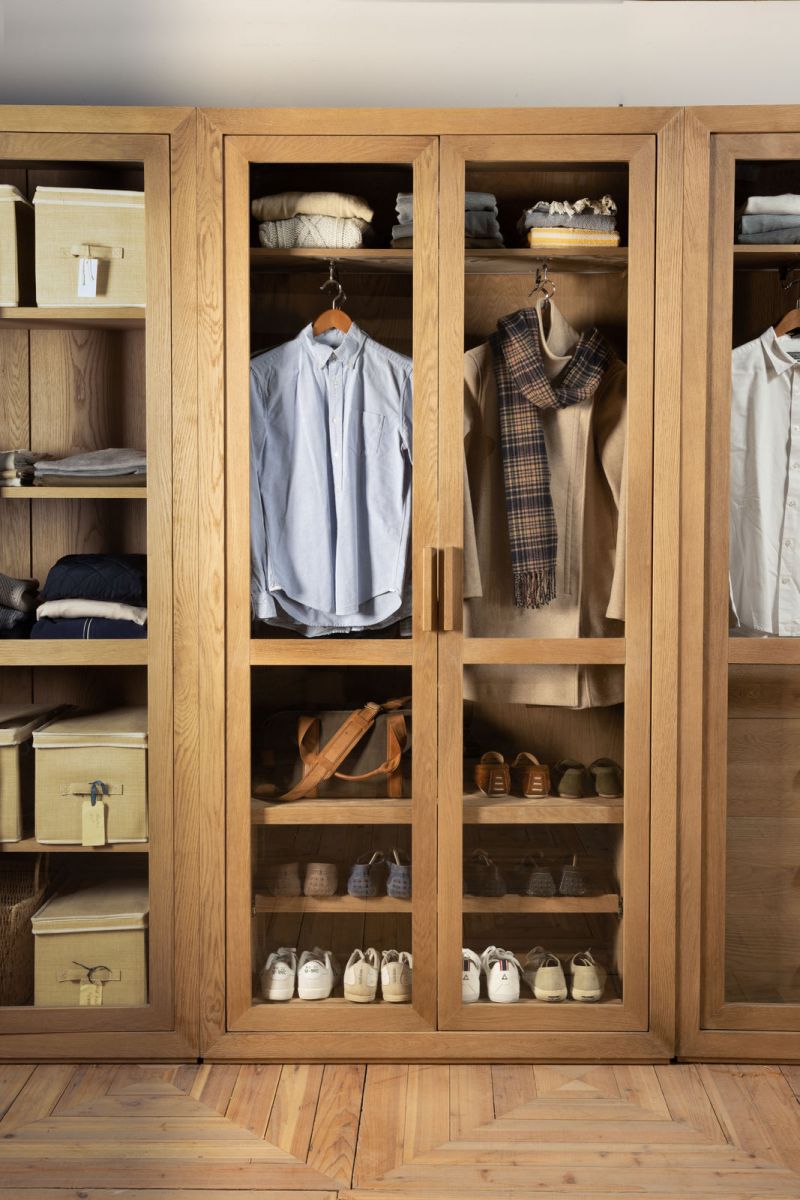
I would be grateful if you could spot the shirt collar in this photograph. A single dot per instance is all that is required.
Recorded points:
(346, 347)
(775, 353)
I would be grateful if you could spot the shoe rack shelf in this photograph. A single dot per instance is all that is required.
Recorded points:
(323, 812)
(607, 902)
(552, 810)
(329, 904)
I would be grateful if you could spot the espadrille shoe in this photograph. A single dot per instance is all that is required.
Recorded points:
(366, 876)
(321, 879)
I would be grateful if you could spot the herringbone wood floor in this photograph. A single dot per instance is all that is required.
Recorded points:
(380, 1132)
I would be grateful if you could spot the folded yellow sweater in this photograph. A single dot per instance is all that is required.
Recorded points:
(555, 235)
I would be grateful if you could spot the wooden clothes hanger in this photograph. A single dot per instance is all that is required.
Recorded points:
(333, 317)
(790, 321)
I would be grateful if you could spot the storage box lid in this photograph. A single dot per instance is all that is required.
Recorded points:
(121, 904)
(18, 721)
(12, 195)
(114, 727)
(89, 197)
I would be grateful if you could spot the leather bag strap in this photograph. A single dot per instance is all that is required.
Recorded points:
(325, 762)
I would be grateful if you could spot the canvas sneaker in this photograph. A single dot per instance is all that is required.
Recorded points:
(361, 976)
(470, 977)
(397, 969)
(317, 974)
(278, 974)
(502, 972)
(544, 975)
(588, 978)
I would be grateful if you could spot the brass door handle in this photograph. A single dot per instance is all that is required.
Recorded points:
(452, 588)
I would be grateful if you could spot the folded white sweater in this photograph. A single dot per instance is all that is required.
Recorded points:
(92, 608)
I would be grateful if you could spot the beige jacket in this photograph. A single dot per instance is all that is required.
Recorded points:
(586, 452)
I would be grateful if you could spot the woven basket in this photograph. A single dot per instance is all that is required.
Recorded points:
(22, 888)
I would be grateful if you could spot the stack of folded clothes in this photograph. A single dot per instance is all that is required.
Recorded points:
(17, 604)
(771, 220)
(17, 466)
(320, 220)
(94, 468)
(94, 596)
(562, 223)
(481, 228)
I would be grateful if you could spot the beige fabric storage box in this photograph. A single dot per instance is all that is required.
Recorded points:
(91, 946)
(16, 248)
(101, 748)
(17, 723)
(89, 223)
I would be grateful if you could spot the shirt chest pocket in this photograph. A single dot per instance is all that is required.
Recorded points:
(368, 434)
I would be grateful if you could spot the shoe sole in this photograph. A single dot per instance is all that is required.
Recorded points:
(587, 997)
(550, 997)
(314, 993)
(504, 999)
(359, 996)
(397, 998)
(279, 993)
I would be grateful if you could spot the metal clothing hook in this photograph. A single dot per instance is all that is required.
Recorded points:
(333, 281)
(543, 284)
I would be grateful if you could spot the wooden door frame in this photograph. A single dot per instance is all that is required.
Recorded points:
(707, 1027)
(656, 1042)
(164, 139)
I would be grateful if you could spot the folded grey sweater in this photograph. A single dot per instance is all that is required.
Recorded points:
(96, 462)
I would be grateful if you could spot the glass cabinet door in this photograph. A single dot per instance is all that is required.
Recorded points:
(546, 436)
(331, 453)
(741, 837)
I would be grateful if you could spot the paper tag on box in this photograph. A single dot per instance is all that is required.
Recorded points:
(87, 276)
(93, 823)
(91, 994)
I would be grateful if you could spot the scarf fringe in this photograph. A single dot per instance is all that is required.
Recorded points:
(535, 588)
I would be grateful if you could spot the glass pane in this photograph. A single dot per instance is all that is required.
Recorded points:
(765, 409)
(545, 399)
(542, 844)
(331, 401)
(332, 863)
(762, 910)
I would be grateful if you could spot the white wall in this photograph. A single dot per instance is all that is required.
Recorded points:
(398, 52)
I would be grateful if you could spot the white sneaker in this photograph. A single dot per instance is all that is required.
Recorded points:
(278, 974)
(544, 975)
(502, 972)
(317, 974)
(396, 974)
(361, 976)
(470, 977)
(588, 977)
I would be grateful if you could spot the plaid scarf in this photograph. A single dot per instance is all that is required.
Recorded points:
(522, 390)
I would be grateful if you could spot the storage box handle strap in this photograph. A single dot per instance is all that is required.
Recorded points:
(94, 789)
(90, 250)
(325, 762)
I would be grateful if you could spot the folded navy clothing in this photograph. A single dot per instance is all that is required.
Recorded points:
(120, 577)
(87, 628)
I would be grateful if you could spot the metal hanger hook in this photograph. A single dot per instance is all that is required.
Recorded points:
(543, 284)
(334, 281)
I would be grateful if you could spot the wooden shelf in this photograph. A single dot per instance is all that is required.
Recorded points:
(72, 318)
(331, 812)
(521, 260)
(775, 651)
(73, 652)
(607, 902)
(329, 904)
(361, 259)
(31, 846)
(533, 651)
(553, 810)
(508, 261)
(766, 257)
(73, 493)
(321, 652)
(336, 1000)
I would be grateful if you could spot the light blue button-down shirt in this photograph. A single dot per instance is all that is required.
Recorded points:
(330, 482)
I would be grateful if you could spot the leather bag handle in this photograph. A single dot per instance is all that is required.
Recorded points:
(325, 762)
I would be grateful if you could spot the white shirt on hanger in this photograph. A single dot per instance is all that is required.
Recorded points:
(764, 566)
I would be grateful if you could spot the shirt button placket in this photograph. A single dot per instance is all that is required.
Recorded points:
(788, 608)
